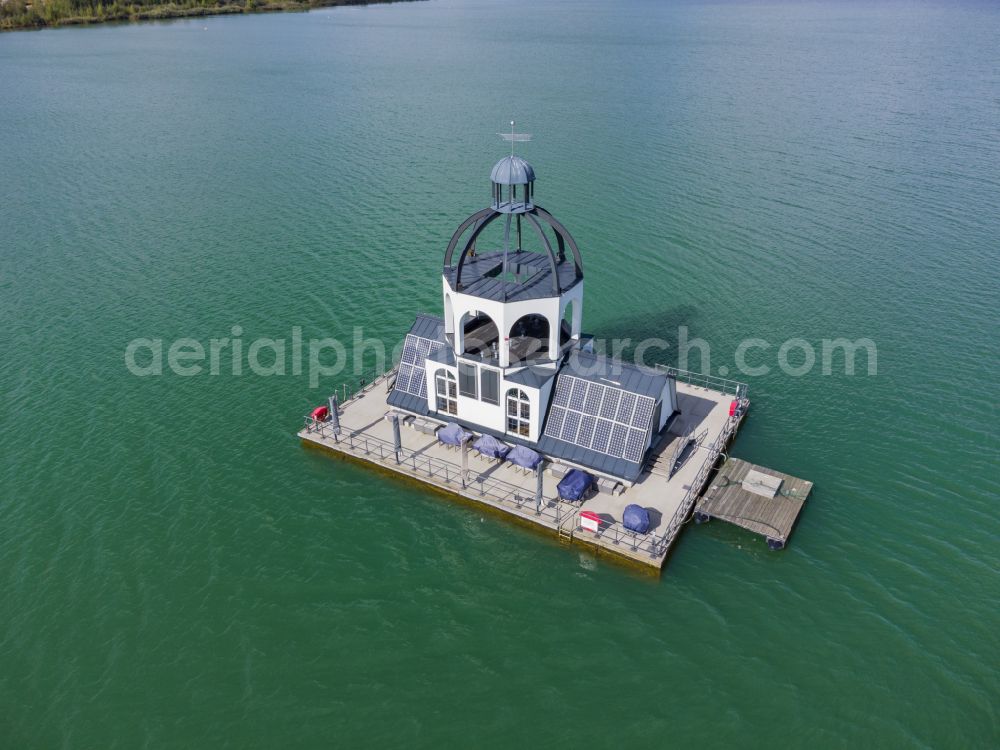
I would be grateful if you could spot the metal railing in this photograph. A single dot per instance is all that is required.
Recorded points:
(502, 492)
(367, 380)
(694, 489)
(615, 533)
(712, 382)
(490, 487)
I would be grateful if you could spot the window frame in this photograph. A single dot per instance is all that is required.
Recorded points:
(446, 396)
(470, 375)
(494, 375)
(518, 417)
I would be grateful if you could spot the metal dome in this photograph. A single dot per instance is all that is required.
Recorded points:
(512, 170)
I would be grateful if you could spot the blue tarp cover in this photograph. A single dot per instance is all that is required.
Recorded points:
(524, 457)
(635, 518)
(490, 446)
(575, 485)
(452, 434)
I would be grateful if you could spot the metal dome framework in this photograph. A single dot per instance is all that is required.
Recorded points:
(511, 172)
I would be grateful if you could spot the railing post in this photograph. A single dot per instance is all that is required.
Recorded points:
(465, 461)
(539, 481)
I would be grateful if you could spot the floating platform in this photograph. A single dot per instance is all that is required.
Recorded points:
(676, 470)
(752, 497)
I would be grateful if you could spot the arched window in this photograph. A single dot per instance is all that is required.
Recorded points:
(518, 412)
(480, 335)
(446, 389)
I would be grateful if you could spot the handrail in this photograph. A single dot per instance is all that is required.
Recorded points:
(496, 489)
(367, 380)
(690, 377)
(617, 532)
(694, 489)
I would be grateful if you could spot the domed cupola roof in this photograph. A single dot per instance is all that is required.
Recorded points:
(512, 170)
(546, 273)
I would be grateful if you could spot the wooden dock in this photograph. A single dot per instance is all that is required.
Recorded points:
(755, 498)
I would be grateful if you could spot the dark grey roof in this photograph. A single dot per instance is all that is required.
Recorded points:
(479, 276)
(512, 170)
(427, 327)
(445, 355)
(532, 377)
(600, 462)
(613, 372)
(407, 402)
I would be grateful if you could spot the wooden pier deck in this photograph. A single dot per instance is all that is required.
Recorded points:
(741, 494)
(367, 435)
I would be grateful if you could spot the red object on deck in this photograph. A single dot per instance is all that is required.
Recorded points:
(320, 413)
(733, 407)
(590, 521)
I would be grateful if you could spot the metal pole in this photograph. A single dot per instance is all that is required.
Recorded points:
(539, 474)
(465, 461)
(396, 437)
(334, 414)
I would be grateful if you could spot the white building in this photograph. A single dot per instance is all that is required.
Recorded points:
(508, 357)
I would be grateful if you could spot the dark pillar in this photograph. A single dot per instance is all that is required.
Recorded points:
(396, 438)
(465, 461)
(540, 478)
(334, 414)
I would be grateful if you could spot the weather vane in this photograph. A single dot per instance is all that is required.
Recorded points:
(514, 137)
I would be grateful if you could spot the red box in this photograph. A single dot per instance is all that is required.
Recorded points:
(590, 521)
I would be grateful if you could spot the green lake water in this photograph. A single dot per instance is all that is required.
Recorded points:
(177, 571)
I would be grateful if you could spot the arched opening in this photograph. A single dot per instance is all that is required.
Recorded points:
(529, 339)
(518, 413)
(480, 335)
(449, 316)
(566, 324)
(446, 391)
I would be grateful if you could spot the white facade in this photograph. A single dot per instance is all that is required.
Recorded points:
(460, 307)
(492, 416)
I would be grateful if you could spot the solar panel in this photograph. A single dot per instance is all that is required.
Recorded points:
(586, 434)
(602, 432)
(594, 395)
(602, 418)
(617, 445)
(410, 377)
(635, 441)
(403, 377)
(561, 397)
(609, 407)
(553, 425)
(643, 413)
(570, 426)
(626, 408)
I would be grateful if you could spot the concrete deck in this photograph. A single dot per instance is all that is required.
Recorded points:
(367, 435)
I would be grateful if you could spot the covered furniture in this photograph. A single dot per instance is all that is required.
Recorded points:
(490, 447)
(636, 518)
(575, 485)
(524, 457)
(453, 434)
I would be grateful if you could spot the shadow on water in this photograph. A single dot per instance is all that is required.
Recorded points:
(655, 324)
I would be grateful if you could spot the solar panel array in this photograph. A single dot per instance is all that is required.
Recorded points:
(410, 376)
(600, 417)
